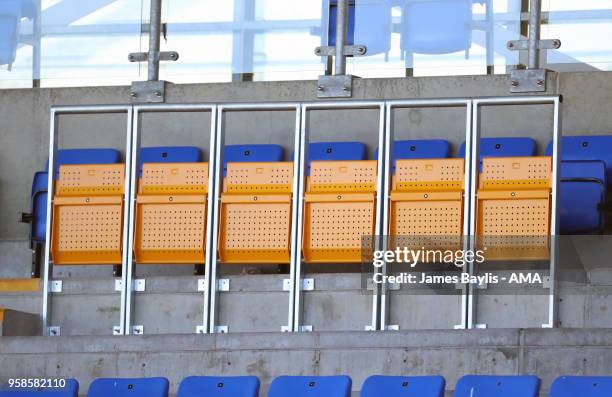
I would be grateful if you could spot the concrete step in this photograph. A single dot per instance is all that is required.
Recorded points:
(339, 302)
(451, 353)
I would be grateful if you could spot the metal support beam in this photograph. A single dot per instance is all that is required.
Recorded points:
(152, 90)
(532, 79)
(340, 85)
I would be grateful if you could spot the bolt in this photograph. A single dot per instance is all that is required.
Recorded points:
(131, 58)
(514, 83)
(361, 50)
(320, 88)
(540, 82)
(510, 45)
(172, 56)
(133, 94)
(346, 89)
(157, 93)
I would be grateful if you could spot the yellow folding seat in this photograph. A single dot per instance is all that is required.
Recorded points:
(427, 204)
(255, 215)
(339, 210)
(171, 213)
(514, 208)
(88, 214)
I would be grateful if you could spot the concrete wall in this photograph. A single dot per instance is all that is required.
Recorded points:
(545, 353)
(25, 120)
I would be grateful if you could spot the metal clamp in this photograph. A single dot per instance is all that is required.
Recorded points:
(349, 50)
(306, 284)
(56, 286)
(523, 45)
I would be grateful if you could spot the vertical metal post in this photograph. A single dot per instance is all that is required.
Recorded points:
(342, 11)
(473, 165)
(48, 266)
(380, 297)
(154, 40)
(535, 10)
(554, 217)
(217, 141)
(132, 149)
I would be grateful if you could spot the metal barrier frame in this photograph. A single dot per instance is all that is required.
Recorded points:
(210, 299)
(47, 328)
(129, 269)
(304, 138)
(467, 208)
(554, 219)
(380, 304)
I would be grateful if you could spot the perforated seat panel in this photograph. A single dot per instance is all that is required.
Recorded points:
(514, 207)
(256, 213)
(427, 203)
(171, 213)
(339, 210)
(88, 214)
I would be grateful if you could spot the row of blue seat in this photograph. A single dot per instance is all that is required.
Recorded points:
(332, 386)
(586, 168)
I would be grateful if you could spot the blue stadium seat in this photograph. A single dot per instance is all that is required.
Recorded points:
(582, 386)
(219, 386)
(10, 17)
(251, 153)
(139, 387)
(71, 390)
(310, 386)
(580, 148)
(504, 147)
(332, 151)
(169, 154)
(498, 386)
(38, 206)
(420, 149)
(403, 386)
(586, 169)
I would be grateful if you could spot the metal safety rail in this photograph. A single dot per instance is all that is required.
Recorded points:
(380, 307)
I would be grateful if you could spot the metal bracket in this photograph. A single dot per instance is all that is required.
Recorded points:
(285, 328)
(305, 328)
(523, 45)
(307, 284)
(349, 50)
(339, 86)
(221, 329)
(527, 80)
(56, 286)
(116, 330)
(369, 328)
(148, 91)
(392, 328)
(200, 329)
(161, 56)
(223, 285)
(547, 282)
(139, 285)
(201, 285)
(137, 330)
(480, 326)
(54, 330)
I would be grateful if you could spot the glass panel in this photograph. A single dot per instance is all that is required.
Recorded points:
(434, 37)
(272, 39)
(584, 28)
(81, 42)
